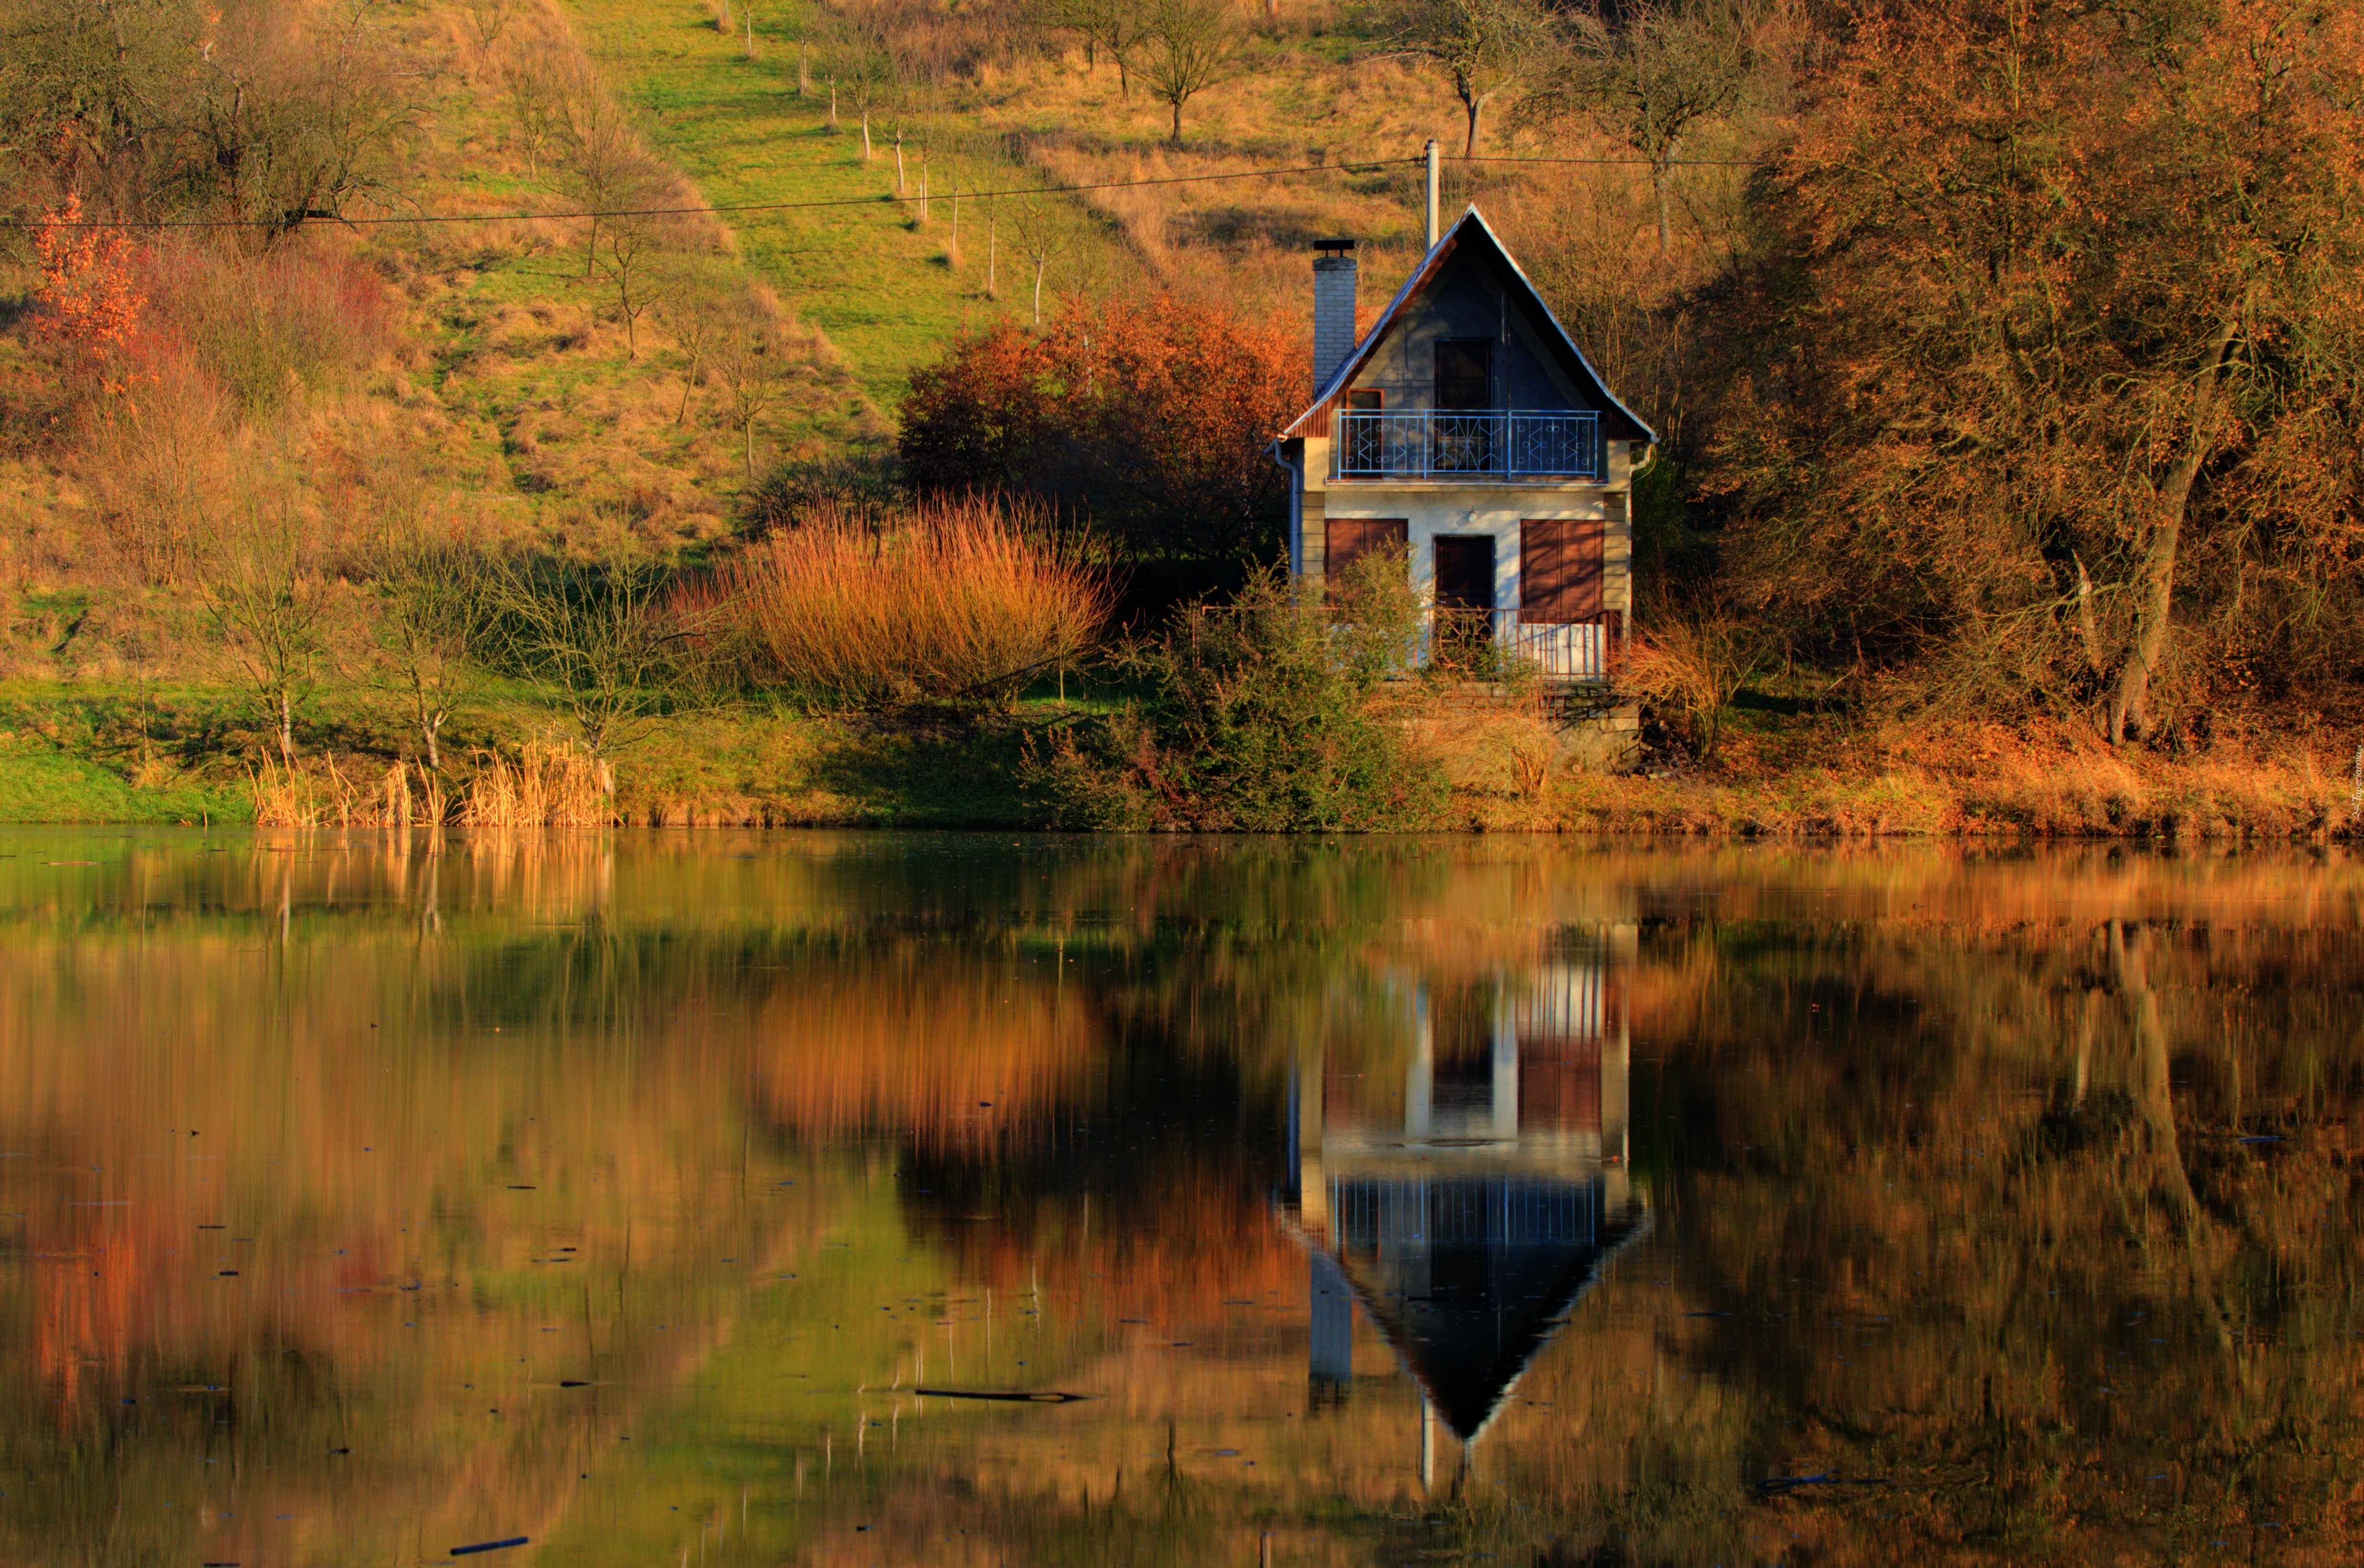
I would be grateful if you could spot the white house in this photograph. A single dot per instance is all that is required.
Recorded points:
(1467, 430)
(1465, 1207)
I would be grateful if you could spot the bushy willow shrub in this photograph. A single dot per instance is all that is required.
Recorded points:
(1261, 716)
(943, 601)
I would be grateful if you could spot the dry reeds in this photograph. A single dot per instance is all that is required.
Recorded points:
(948, 600)
(547, 786)
(322, 795)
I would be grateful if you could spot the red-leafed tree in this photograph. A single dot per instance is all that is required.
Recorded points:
(1152, 418)
(91, 301)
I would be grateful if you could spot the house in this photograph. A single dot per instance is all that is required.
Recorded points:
(1465, 1206)
(1467, 430)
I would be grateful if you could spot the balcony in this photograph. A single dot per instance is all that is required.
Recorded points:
(1489, 446)
(1479, 640)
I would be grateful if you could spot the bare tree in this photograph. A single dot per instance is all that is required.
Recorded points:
(752, 366)
(289, 127)
(1115, 26)
(611, 175)
(488, 20)
(1649, 79)
(629, 255)
(269, 603)
(436, 602)
(597, 636)
(1483, 48)
(1044, 229)
(694, 311)
(535, 97)
(1187, 46)
(867, 69)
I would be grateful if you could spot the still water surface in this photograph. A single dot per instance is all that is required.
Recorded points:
(721, 1200)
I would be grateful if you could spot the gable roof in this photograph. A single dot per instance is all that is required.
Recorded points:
(1480, 1313)
(1473, 232)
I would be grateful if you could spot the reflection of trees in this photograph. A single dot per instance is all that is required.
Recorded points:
(1975, 1201)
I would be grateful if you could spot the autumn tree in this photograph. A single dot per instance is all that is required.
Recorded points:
(1150, 416)
(2051, 369)
(91, 298)
(1483, 48)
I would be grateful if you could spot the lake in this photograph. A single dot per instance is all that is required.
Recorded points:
(849, 1199)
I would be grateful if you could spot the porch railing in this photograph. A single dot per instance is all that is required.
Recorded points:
(1474, 640)
(1483, 444)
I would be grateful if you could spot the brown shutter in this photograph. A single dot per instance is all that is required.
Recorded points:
(1350, 538)
(1561, 563)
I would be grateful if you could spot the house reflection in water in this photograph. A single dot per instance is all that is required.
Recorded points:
(1469, 1207)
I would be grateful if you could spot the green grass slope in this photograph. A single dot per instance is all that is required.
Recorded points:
(887, 292)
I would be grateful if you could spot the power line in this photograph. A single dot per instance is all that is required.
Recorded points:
(726, 209)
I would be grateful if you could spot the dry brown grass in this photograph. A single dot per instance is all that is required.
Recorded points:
(949, 600)
(546, 785)
(321, 794)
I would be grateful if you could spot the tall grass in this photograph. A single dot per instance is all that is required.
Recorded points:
(546, 786)
(323, 794)
(948, 600)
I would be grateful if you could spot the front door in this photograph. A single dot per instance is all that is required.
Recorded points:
(1465, 597)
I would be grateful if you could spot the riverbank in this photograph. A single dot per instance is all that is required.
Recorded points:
(90, 752)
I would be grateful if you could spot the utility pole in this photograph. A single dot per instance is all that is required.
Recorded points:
(1433, 172)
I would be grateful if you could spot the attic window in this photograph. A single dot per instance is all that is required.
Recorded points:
(1364, 400)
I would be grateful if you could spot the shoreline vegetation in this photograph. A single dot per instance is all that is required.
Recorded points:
(854, 413)
(91, 754)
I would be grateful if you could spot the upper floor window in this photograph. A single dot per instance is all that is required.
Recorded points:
(1366, 400)
(1464, 373)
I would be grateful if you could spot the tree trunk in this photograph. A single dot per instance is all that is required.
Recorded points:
(1658, 195)
(899, 188)
(1177, 138)
(2152, 1076)
(286, 727)
(427, 730)
(2155, 579)
(1475, 105)
(865, 136)
(1039, 266)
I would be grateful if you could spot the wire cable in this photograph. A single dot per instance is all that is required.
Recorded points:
(726, 209)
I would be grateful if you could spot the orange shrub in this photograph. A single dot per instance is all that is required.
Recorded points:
(949, 599)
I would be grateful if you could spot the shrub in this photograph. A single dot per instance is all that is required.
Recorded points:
(263, 325)
(1262, 718)
(945, 600)
(1152, 419)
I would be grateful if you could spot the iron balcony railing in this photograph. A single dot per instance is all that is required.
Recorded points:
(1474, 640)
(1498, 444)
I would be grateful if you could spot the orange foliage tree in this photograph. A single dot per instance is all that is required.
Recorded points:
(1150, 416)
(89, 296)
(2050, 369)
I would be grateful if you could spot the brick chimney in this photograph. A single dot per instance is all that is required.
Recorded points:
(1334, 307)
